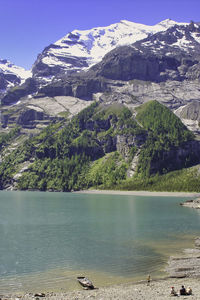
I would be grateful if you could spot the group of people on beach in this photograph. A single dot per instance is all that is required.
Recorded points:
(183, 291)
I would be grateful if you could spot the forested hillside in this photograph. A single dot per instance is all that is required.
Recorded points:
(97, 148)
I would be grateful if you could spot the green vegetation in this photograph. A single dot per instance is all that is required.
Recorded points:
(64, 151)
(106, 171)
(64, 114)
(165, 131)
(5, 138)
(185, 180)
(165, 125)
(96, 148)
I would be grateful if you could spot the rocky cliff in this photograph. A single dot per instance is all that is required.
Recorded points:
(80, 49)
(11, 75)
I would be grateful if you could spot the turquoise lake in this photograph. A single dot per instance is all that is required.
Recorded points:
(47, 239)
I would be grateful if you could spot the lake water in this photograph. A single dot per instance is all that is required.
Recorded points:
(47, 239)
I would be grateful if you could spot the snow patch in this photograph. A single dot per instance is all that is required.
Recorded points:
(182, 43)
(196, 36)
(93, 44)
(7, 67)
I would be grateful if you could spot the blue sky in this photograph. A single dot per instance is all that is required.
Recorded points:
(28, 26)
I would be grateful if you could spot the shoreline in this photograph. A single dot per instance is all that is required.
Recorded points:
(139, 193)
(183, 269)
(158, 289)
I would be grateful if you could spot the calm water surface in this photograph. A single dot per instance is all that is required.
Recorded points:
(47, 239)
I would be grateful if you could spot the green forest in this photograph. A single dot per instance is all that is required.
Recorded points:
(96, 147)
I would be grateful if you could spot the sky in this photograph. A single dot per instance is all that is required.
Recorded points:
(28, 26)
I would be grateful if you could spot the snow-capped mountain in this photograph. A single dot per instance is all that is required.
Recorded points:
(80, 49)
(173, 54)
(135, 63)
(11, 75)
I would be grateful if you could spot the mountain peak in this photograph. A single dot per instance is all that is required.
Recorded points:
(169, 22)
(80, 49)
(7, 66)
(11, 74)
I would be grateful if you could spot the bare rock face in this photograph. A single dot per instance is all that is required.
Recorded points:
(197, 242)
(11, 75)
(5, 78)
(38, 112)
(45, 69)
(193, 204)
(191, 111)
(18, 92)
(124, 143)
(127, 63)
(82, 87)
(58, 88)
(157, 58)
(29, 117)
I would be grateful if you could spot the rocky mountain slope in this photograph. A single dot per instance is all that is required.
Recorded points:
(11, 75)
(80, 49)
(162, 64)
(98, 148)
(165, 66)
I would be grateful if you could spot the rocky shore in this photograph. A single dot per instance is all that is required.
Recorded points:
(187, 264)
(182, 270)
(157, 290)
(192, 203)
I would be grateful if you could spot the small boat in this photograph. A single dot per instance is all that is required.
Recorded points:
(85, 282)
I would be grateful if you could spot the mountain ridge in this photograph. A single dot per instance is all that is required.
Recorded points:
(91, 45)
(159, 73)
(11, 75)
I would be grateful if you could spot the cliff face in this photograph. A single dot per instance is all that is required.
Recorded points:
(11, 75)
(162, 66)
(80, 49)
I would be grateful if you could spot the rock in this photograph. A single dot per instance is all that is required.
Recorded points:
(124, 144)
(191, 111)
(197, 242)
(58, 88)
(186, 265)
(80, 86)
(192, 203)
(127, 63)
(16, 93)
(29, 116)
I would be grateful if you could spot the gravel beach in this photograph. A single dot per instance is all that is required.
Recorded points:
(139, 193)
(157, 290)
(186, 266)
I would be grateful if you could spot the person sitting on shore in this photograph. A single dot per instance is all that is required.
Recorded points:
(173, 292)
(189, 291)
(183, 290)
